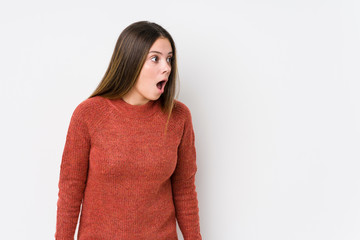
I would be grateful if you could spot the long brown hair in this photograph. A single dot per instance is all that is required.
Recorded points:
(127, 60)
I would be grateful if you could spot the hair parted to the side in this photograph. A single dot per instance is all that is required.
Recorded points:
(128, 59)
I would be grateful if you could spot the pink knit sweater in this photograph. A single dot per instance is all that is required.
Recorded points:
(133, 181)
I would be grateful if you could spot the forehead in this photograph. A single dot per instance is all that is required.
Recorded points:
(161, 45)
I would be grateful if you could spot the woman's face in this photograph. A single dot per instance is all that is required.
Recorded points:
(157, 68)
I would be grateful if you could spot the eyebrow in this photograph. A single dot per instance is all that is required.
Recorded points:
(159, 52)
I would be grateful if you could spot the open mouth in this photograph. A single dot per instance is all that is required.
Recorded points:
(160, 84)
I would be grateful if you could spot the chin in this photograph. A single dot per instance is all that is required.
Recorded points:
(151, 98)
(155, 97)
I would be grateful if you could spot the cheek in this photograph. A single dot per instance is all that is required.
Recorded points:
(149, 72)
(146, 77)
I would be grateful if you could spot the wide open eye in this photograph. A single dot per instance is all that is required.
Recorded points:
(169, 59)
(154, 58)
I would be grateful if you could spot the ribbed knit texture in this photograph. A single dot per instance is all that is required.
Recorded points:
(132, 180)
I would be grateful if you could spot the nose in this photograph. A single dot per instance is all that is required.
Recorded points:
(166, 67)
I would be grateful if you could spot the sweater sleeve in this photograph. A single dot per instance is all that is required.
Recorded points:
(183, 184)
(73, 176)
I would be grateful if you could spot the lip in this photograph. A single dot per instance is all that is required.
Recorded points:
(163, 86)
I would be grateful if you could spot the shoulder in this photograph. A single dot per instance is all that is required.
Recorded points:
(182, 110)
(88, 107)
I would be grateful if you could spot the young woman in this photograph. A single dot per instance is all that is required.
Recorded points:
(129, 158)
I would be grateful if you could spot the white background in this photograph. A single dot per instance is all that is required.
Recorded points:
(273, 87)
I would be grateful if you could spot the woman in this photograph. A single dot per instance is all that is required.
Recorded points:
(129, 156)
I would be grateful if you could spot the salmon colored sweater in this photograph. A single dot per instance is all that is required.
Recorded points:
(132, 180)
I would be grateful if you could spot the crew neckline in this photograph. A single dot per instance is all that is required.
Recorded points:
(134, 111)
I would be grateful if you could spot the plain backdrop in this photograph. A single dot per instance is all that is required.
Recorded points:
(273, 88)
